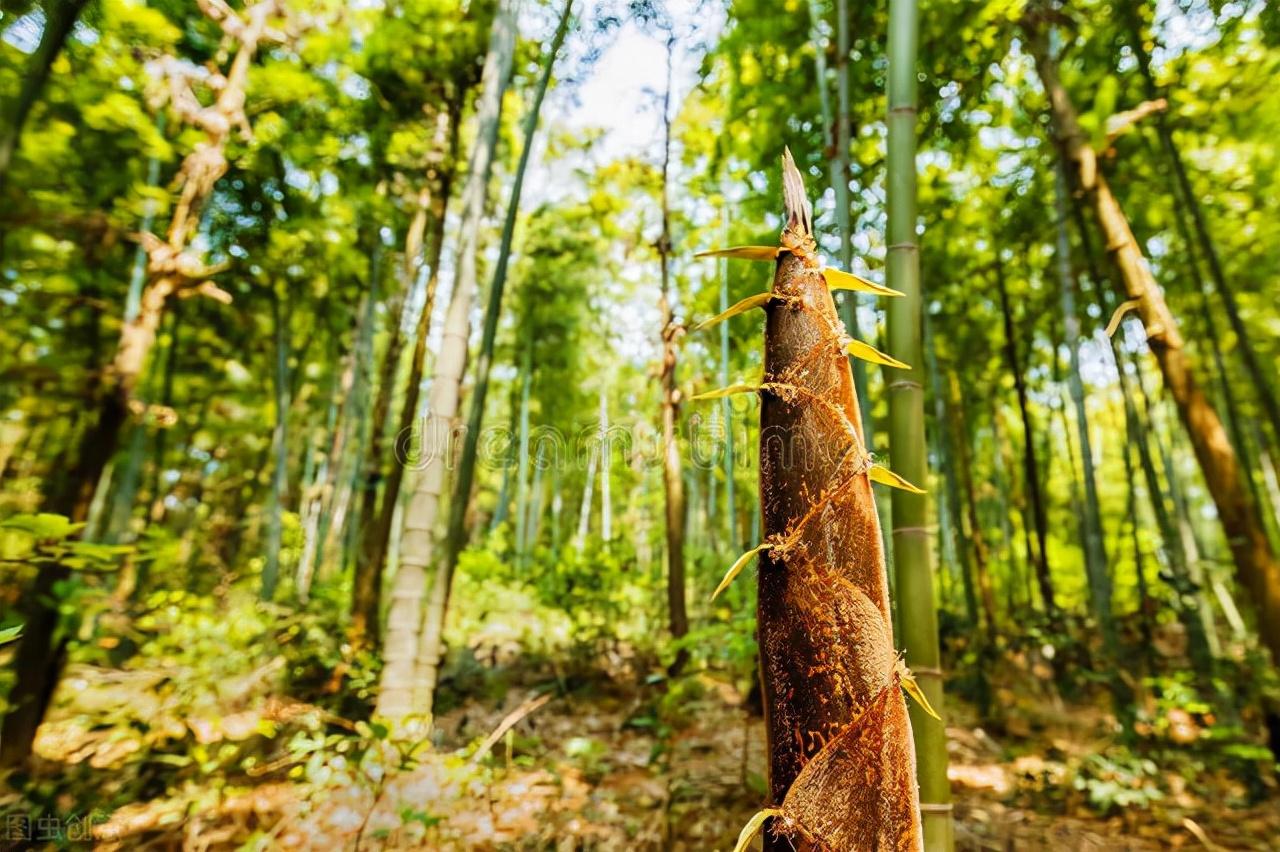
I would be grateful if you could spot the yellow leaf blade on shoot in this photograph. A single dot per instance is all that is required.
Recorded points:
(913, 689)
(882, 474)
(837, 280)
(723, 392)
(752, 828)
(744, 252)
(867, 352)
(736, 568)
(759, 300)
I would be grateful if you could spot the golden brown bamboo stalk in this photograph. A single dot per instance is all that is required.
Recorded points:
(1257, 568)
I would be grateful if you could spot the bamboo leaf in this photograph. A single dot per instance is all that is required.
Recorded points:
(882, 474)
(838, 280)
(744, 252)
(1116, 317)
(913, 689)
(867, 352)
(752, 828)
(736, 568)
(723, 392)
(759, 300)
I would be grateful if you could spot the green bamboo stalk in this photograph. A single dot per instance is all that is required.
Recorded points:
(950, 514)
(588, 494)
(1180, 549)
(456, 536)
(271, 571)
(726, 410)
(60, 20)
(1139, 562)
(1033, 516)
(353, 391)
(115, 529)
(430, 645)
(913, 561)
(606, 499)
(1094, 545)
(522, 465)
(411, 648)
(848, 301)
(836, 128)
(1188, 541)
(539, 496)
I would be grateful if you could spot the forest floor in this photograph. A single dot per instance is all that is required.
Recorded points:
(609, 765)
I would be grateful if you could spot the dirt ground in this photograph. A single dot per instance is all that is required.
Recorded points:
(593, 770)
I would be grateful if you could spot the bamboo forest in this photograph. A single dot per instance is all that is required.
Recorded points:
(805, 425)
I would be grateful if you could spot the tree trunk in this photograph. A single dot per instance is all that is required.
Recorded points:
(948, 551)
(127, 489)
(1179, 191)
(156, 514)
(557, 507)
(403, 674)
(59, 18)
(539, 496)
(1256, 566)
(1270, 477)
(672, 477)
(693, 526)
(1229, 401)
(116, 528)
(314, 475)
(11, 440)
(848, 299)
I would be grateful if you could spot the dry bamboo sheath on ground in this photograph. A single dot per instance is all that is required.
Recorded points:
(841, 759)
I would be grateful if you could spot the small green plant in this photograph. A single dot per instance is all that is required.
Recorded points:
(590, 755)
(1118, 779)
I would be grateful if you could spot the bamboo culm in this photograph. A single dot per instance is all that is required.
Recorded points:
(404, 673)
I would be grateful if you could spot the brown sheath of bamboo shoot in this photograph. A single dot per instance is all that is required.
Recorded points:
(825, 634)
